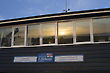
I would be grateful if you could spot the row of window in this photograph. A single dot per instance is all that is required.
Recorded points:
(64, 32)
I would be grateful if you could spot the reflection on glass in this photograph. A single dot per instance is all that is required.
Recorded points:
(101, 29)
(48, 33)
(65, 32)
(82, 30)
(19, 36)
(34, 34)
(5, 37)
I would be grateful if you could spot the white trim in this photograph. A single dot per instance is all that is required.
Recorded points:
(41, 42)
(83, 42)
(102, 42)
(56, 35)
(74, 32)
(26, 36)
(12, 41)
(66, 44)
(54, 16)
(19, 46)
(5, 47)
(91, 31)
(79, 43)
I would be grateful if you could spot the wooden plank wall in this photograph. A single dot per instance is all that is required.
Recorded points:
(96, 59)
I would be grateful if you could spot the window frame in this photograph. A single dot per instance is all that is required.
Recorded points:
(25, 36)
(41, 33)
(11, 37)
(101, 17)
(40, 38)
(90, 30)
(56, 35)
(69, 20)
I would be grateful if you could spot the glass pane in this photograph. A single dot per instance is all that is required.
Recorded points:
(5, 37)
(101, 29)
(19, 36)
(48, 33)
(82, 30)
(34, 34)
(65, 32)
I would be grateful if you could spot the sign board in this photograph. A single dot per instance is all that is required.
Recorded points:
(45, 58)
(48, 58)
(69, 58)
(25, 59)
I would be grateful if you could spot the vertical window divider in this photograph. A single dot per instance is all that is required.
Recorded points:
(12, 41)
(74, 32)
(91, 31)
(1, 39)
(26, 36)
(56, 35)
(41, 34)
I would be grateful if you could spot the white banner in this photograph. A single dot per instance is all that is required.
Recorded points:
(25, 59)
(69, 58)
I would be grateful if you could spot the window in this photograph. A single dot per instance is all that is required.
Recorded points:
(101, 28)
(5, 37)
(83, 30)
(65, 32)
(48, 33)
(34, 34)
(19, 33)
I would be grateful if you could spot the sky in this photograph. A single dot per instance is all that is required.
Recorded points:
(10, 9)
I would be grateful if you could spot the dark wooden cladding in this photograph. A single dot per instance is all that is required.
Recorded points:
(96, 59)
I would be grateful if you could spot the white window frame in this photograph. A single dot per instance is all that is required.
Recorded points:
(41, 36)
(85, 42)
(69, 20)
(56, 34)
(93, 28)
(24, 36)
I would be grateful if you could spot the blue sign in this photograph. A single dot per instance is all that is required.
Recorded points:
(46, 58)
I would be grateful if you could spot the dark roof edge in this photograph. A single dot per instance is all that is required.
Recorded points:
(84, 11)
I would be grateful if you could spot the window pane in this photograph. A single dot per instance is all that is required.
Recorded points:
(82, 30)
(48, 33)
(101, 29)
(5, 37)
(65, 32)
(34, 34)
(19, 36)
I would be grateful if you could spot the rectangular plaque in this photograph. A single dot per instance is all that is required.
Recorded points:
(25, 59)
(69, 58)
(45, 58)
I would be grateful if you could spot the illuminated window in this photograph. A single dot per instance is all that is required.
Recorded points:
(19, 33)
(82, 31)
(48, 33)
(101, 29)
(5, 37)
(65, 32)
(34, 34)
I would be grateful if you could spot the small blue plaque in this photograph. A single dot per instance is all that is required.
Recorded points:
(46, 58)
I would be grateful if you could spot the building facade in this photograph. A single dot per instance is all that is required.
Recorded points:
(56, 43)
